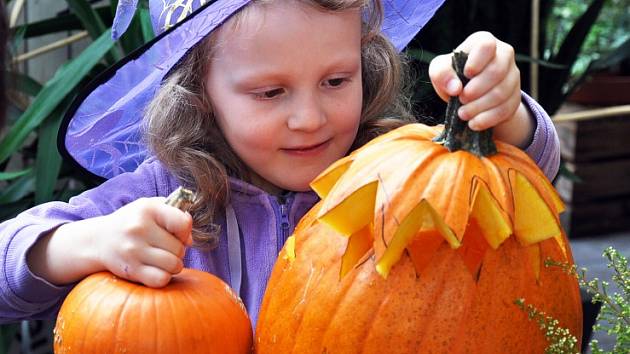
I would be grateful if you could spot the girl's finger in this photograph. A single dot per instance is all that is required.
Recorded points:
(173, 220)
(162, 239)
(443, 77)
(494, 74)
(152, 277)
(162, 259)
(496, 115)
(495, 96)
(502, 65)
(481, 48)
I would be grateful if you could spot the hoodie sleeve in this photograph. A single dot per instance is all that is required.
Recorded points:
(23, 295)
(545, 146)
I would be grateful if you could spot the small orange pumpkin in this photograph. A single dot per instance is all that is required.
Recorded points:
(195, 313)
(423, 241)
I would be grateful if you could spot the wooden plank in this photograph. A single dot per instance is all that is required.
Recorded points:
(597, 218)
(599, 180)
(604, 138)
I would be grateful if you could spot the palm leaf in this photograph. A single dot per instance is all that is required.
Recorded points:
(53, 92)
(48, 161)
(61, 23)
(18, 189)
(7, 176)
(92, 22)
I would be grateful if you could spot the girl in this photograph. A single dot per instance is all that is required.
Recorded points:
(246, 115)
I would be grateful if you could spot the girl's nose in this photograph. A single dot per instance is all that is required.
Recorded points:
(308, 114)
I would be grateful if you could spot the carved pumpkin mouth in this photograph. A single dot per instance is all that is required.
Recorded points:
(406, 192)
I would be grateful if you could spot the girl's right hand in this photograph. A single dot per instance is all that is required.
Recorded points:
(144, 241)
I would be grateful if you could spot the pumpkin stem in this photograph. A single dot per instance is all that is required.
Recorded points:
(457, 135)
(181, 198)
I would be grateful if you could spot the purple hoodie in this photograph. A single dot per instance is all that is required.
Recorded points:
(254, 228)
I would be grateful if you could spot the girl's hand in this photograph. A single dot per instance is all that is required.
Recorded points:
(492, 97)
(144, 241)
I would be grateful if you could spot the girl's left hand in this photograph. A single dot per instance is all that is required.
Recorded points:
(492, 97)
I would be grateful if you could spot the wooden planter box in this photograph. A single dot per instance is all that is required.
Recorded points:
(598, 152)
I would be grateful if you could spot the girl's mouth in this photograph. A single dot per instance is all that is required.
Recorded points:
(308, 150)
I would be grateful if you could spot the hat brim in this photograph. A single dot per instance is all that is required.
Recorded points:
(101, 133)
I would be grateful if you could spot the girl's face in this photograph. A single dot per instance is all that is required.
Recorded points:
(285, 86)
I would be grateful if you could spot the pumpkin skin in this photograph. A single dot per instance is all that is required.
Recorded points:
(195, 313)
(416, 249)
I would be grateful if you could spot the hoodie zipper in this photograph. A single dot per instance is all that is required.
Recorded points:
(284, 225)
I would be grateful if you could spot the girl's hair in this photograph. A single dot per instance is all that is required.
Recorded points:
(180, 127)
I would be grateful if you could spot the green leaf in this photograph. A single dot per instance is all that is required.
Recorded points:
(18, 189)
(54, 91)
(139, 31)
(23, 83)
(424, 56)
(92, 23)
(89, 18)
(7, 176)
(145, 24)
(48, 160)
(11, 210)
(622, 52)
(547, 64)
(7, 332)
(60, 23)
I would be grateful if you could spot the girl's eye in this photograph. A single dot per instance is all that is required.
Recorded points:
(269, 94)
(336, 82)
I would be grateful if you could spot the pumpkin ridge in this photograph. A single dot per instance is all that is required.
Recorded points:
(119, 317)
(340, 299)
(449, 207)
(197, 310)
(172, 314)
(496, 184)
(368, 327)
(323, 273)
(437, 298)
(289, 273)
(306, 292)
(95, 307)
(59, 330)
(386, 200)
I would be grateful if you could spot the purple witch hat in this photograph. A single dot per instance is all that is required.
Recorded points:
(101, 130)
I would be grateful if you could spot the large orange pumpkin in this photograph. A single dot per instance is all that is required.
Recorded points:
(195, 313)
(423, 241)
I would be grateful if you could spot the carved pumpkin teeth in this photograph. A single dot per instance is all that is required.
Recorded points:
(327, 179)
(359, 244)
(289, 249)
(422, 218)
(534, 221)
(491, 219)
(352, 213)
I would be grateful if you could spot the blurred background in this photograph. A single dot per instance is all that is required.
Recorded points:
(574, 58)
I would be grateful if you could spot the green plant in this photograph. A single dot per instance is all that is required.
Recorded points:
(575, 40)
(614, 317)
(31, 170)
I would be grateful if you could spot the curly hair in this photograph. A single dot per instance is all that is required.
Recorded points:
(181, 132)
